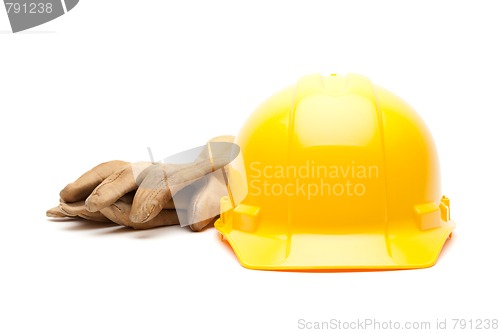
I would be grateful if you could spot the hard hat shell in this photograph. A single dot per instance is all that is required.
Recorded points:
(336, 173)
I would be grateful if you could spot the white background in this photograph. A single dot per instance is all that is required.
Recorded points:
(113, 77)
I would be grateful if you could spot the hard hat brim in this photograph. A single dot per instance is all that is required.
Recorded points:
(304, 252)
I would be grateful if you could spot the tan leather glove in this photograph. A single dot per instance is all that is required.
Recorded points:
(145, 195)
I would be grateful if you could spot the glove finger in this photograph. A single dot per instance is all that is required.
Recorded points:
(170, 205)
(114, 187)
(55, 212)
(181, 201)
(166, 217)
(79, 209)
(152, 195)
(119, 213)
(83, 186)
(203, 224)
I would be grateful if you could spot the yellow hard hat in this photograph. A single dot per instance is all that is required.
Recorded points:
(335, 173)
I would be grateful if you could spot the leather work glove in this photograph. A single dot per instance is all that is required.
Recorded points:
(145, 195)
